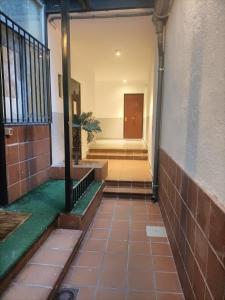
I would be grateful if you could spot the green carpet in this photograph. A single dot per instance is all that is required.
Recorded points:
(44, 203)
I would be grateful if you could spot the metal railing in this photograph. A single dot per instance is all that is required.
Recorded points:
(24, 76)
(80, 187)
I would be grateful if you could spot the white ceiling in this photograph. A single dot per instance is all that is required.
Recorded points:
(94, 41)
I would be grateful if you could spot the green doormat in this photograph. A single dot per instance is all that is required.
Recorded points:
(10, 221)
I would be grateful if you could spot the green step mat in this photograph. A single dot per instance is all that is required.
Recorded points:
(44, 203)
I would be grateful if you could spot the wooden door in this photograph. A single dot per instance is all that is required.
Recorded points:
(133, 116)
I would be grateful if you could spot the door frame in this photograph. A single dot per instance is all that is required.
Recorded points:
(124, 114)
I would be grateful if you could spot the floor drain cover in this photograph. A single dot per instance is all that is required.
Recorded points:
(67, 294)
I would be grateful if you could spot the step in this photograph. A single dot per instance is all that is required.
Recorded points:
(128, 183)
(134, 151)
(84, 210)
(127, 156)
(124, 191)
(44, 272)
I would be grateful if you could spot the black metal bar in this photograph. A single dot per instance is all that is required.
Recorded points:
(39, 77)
(80, 188)
(21, 77)
(2, 120)
(26, 81)
(31, 83)
(49, 88)
(35, 81)
(3, 168)
(15, 75)
(44, 83)
(9, 73)
(35, 87)
(65, 27)
(46, 88)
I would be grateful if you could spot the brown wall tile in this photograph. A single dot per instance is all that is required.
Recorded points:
(14, 192)
(23, 134)
(190, 232)
(201, 250)
(215, 276)
(25, 186)
(199, 285)
(13, 173)
(12, 154)
(39, 147)
(192, 195)
(203, 211)
(27, 154)
(24, 170)
(196, 230)
(39, 163)
(24, 151)
(217, 230)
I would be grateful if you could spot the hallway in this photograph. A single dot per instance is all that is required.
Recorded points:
(117, 261)
(127, 159)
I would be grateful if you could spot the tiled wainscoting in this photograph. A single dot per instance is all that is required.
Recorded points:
(28, 158)
(195, 225)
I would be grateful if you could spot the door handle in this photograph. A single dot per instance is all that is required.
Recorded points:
(125, 119)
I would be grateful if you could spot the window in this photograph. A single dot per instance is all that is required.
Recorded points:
(24, 76)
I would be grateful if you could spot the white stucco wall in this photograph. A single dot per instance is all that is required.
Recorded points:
(193, 113)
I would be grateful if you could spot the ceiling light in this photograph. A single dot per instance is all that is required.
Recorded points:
(117, 53)
(124, 81)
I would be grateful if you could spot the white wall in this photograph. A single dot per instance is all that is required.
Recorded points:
(79, 72)
(193, 114)
(87, 80)
(95, 65)
(109, 105)
(54, 42)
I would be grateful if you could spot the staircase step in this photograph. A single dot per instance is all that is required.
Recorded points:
(44, 272)
(126, 151)
(129, 184)
(124, 191)
(127, 156)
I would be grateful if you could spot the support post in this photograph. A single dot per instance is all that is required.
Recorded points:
(3, 168)
(65, 28)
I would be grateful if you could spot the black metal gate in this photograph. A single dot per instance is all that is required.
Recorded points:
(25, 76)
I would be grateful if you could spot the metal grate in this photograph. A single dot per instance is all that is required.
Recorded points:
(24, 76)
(67, 294)
(80, 188)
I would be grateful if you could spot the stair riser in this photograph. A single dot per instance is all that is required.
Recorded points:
(92, 156)
(125, 151)
(127, 195)
(128, 184)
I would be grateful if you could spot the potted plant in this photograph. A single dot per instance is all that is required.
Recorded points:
(87, 122)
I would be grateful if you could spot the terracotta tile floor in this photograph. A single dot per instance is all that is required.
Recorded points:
(124, 170)
(118, 261)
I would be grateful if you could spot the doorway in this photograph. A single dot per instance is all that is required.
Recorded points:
(133, 116)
